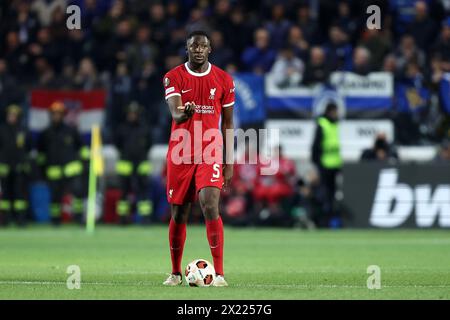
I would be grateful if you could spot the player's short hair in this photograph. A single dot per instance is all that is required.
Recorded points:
(198, 33)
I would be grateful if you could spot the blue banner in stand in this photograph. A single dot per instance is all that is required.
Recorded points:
(249, 106)
(373, 92)
(445, 92)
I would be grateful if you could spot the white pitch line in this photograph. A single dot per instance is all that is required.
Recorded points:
(137, 272)
(249, 285)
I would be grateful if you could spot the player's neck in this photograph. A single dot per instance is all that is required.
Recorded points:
(198, 68)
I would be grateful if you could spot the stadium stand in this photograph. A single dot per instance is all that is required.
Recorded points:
(288, 58)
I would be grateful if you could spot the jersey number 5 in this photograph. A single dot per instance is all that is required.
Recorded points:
(216, 168)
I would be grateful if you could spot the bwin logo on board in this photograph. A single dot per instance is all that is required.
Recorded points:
(394, 202)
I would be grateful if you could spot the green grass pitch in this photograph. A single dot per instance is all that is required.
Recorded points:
(132, 262)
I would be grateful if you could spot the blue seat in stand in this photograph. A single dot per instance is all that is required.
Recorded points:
(40, 202)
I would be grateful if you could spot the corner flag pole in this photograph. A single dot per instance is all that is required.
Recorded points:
(95, 169)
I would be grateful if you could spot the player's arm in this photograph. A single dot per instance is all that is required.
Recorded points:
(180, 113)
(228, 142)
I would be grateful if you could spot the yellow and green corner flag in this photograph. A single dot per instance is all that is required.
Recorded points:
(96, 168)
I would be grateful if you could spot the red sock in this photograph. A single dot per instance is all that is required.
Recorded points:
(214, 232)
(177, 237)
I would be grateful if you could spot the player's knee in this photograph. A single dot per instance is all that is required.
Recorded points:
(179, 216)
(210, 209)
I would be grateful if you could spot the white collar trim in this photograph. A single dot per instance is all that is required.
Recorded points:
(197, 74)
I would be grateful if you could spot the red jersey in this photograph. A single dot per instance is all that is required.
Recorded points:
(211, 91)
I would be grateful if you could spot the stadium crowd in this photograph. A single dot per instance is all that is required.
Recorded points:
(125, 46)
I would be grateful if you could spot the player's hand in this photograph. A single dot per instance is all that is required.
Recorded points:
(188, 108)
(227, 175)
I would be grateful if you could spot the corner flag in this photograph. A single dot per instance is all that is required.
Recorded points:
(96, 168)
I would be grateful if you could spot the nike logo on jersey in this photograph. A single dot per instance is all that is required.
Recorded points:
(184, 91)
(214, 180)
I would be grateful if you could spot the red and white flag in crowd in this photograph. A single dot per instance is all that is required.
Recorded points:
(84, 108)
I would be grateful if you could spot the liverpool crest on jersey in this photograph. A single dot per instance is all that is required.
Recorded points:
(212, 93)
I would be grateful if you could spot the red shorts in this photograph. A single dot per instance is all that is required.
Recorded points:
(184, 181)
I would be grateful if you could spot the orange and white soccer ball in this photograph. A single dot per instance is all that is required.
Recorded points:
(200, 273)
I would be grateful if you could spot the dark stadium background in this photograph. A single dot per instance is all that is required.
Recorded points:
(125, 47)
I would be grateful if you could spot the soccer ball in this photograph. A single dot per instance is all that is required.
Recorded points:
(200, 273)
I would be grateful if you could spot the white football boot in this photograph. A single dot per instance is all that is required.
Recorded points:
(220, 281)
(173, 280)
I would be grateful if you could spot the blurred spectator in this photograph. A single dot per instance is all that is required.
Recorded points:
(442, 46)
(121, 90)
(114, 34)
(379, 46)
(413, 76)
(46, 78)
(47, 48)
(9, 90)
(287, 69)
(26, 22)
(86, 78)
(436, 72)
(65, 81)
(106, 23)
(197, 21)
(238, 34)
(443, 128)
(298, 43)
(423, 28)
(238, 199)
(443, 155)
(446, 6)
(44, 9)
(177, 44)
(260, 57)
(272, 193)
(390, 65)
(157, 24)
(148, 92)
(317, 69)
(278, 26)
(308, 25)
(15, 55)
(173, 18)
(172, 61)
(221, 55)
(76, 46)
(307, 202)
(408, 51)
(57, 27)
(345, 20)
(382, 151)
(338, 49)
(403, 15)
(361, 61)
(222, 12)
(141, 50)
(91, 11)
